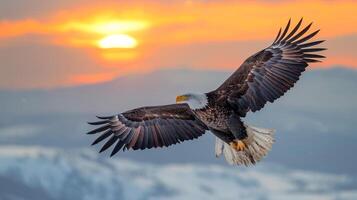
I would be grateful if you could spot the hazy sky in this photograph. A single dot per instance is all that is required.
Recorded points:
(47, 44)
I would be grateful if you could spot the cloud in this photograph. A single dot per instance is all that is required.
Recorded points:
(66, 174)
(28, 64)
(195, 21)
(20, 131)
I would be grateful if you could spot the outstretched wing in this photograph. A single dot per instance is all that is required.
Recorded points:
(148, 127)
(268, 74)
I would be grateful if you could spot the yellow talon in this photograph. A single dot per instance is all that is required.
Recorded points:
(238, 145)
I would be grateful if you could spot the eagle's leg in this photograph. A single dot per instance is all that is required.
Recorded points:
(239, 131)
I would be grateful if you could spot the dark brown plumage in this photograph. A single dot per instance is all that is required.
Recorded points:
(149, 127)
(268, 74)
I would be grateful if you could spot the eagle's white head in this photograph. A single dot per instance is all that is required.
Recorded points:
(195, 101)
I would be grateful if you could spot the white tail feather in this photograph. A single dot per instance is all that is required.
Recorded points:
(259, 143)
(219, 147)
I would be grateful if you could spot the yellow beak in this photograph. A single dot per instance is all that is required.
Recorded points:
(181, 98)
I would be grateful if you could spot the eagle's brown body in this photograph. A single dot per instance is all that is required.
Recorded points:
(215, 117)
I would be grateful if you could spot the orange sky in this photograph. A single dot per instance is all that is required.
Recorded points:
(71, 43)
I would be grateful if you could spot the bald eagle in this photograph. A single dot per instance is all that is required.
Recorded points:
(262, 78)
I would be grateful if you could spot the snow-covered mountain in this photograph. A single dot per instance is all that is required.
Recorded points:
(34, 173)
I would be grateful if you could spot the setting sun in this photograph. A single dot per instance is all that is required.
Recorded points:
(117, 41)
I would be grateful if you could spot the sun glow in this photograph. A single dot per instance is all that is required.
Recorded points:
(105, 26)
(117, 41)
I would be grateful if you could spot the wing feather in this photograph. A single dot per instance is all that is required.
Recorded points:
(119, 145)
(268, 74)
(285, 31)
(109, 143)
(102, 137)
(293, 31)
(148, 127)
